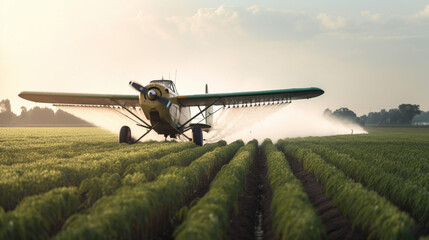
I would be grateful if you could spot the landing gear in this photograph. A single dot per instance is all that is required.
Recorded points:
(125, 135)
(197, 135)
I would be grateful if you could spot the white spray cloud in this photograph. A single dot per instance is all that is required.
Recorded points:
(112, 119)
(298, 119)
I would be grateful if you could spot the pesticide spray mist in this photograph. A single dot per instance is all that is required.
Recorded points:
(112, 119)
(298, 119)
(275, 121)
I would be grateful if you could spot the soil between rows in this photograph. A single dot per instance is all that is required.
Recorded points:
(253, 220)
(337, 225)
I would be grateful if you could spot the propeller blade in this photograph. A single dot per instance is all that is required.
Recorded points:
(138, 87)
(164, 101)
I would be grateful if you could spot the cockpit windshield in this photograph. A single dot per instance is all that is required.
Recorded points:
(166, 83)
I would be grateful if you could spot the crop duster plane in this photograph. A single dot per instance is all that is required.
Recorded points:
(166, 111)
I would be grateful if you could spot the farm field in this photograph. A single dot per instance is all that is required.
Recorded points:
(79, 183)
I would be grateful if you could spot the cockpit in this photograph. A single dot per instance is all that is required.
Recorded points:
(166, 83)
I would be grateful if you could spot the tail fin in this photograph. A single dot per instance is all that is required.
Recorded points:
(209, 111)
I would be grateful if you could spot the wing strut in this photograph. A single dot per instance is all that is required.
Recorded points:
(196, 115)
(147, 132)
(211, 114)
(147, 125)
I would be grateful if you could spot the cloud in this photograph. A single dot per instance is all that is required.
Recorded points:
(233, 24)
(254, 9)
(331, 22)
(424, 13)
(206, 22)
(391, 38)
(367, 14)
(210, 20)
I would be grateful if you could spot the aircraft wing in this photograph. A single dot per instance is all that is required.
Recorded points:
(247, 97)
(81, 98)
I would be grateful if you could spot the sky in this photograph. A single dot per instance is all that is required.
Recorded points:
(366, 55)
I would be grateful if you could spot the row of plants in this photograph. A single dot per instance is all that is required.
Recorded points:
(22, 180)
(94, 188)
(143, 210)
(367, 210)
(40, 216)
(405, 150)
(293, 216)
(149, 170)
(406, 194)
(209, 218)
(387, 158)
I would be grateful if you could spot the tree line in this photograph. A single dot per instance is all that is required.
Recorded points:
(37, 117)
(405, 114)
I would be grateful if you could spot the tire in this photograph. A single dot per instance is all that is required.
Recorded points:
(125, 135)
(197, 135)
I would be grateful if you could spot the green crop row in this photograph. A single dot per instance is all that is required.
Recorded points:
(293, 215)
(38, 217)
(142, 210)
(22, 180)
(389, 160)
(149, 170)
(94, 188)
(209, 218)
(367, 210)
(408, 151)
(406, 194)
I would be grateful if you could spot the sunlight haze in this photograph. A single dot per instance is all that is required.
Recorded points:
(366, 55)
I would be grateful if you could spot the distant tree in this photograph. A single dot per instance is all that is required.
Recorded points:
(422, 117)
(345, 114)
(39, 115)
(63, 117)
(395, 117)
(408, 112)
(7, 117)
(36, 116)
(327, 113)
(5, 106)
(373, 118)
(362, 120)
(384, 117)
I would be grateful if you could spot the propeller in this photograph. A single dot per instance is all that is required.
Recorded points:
(151, 94)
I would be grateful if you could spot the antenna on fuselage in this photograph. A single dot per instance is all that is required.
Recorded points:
(175, 76)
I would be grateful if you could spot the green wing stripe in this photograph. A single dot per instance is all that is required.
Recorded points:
(248, 97)
(81, 98)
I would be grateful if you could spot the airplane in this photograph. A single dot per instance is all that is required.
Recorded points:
(168, 112)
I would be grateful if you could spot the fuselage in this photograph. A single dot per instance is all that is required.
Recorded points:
(164, 120)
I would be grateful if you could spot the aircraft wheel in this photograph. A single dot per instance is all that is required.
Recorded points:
(197, 135)
(125, 135)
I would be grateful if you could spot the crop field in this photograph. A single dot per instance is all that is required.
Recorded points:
(79, 183)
